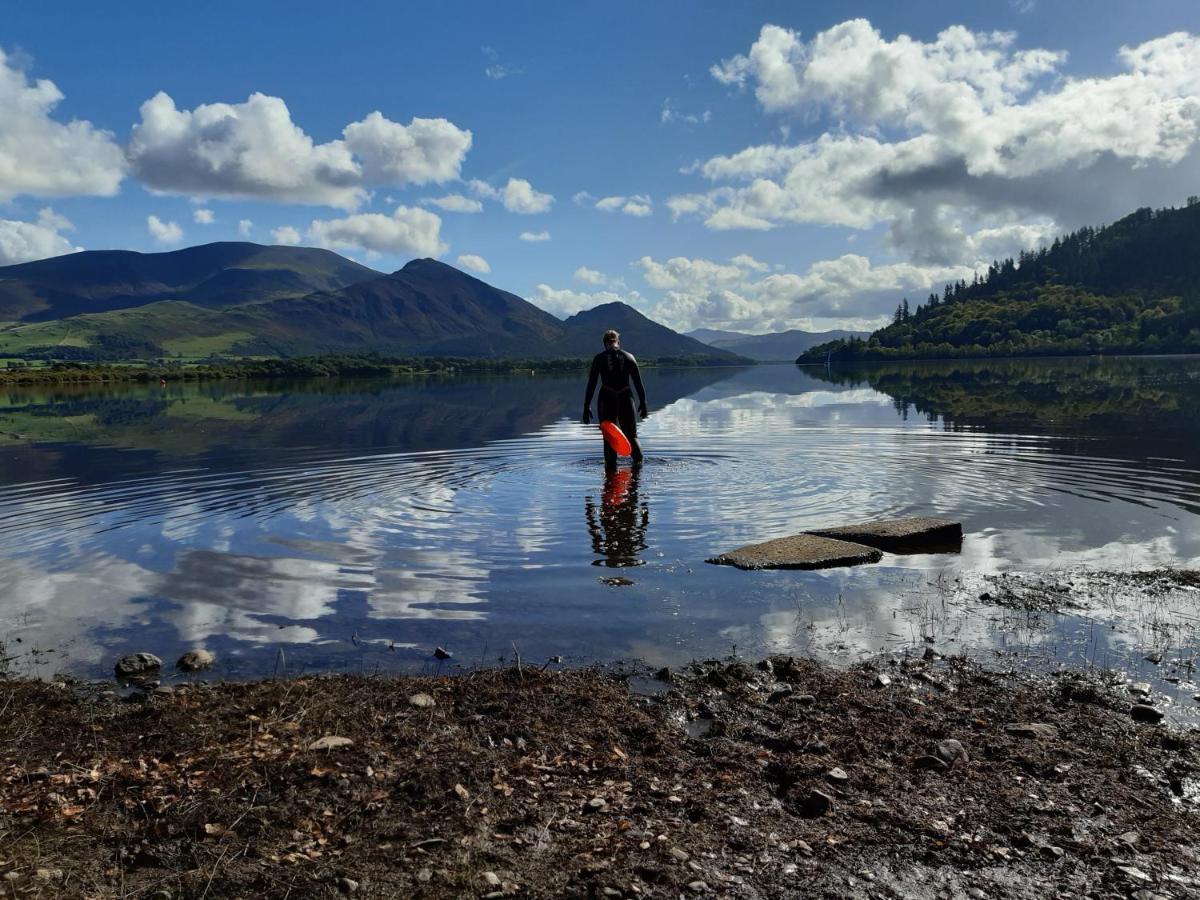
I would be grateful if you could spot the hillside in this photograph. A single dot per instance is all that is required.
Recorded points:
(1130, 287)
(426, 309)
(217, 275)
(774, 347)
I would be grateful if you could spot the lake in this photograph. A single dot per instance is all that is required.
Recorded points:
(356, 525)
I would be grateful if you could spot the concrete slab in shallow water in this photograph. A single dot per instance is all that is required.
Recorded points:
(911, 534)
(800, 551)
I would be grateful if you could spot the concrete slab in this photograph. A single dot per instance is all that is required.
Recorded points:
(911, 534)
(800, 551)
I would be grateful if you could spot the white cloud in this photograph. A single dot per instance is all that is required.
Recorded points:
(255, 150)
(580, 198)
(406, 230)
(535, 236)
(590, 276)
(955, 133)
(41, 156)
(26, 241)
(455, 203)
(244, 227)
(286, 236)
(203, 216)
(637, 205)
(163, 232)
(565, 302)
(475, 263)
(496, 70)
(520, 197)
(670, 113)
(739, 296)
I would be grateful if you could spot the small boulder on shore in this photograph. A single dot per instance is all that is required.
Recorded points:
(134, 664)
(800, 551)
(195, 660)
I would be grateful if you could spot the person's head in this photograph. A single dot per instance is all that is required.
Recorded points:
(612, 339)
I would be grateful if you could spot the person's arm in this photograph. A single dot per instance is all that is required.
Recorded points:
(637, 384)
(594, 374)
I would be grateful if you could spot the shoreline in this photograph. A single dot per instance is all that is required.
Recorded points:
(914, 777)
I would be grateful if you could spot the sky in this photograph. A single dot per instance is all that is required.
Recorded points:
(750, 167)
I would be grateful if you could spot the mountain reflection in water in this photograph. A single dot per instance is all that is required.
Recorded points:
(360, 524)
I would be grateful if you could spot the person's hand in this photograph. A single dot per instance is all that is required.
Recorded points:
(586, 418)
(642, 411)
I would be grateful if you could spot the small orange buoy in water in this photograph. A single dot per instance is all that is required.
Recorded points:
(616, 438)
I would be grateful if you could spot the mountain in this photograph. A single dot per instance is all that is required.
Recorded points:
(211, 275)
(1129, 287)
(427, 308)
(641, 336)
(775, 347)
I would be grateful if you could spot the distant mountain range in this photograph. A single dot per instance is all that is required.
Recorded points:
(240, 299)
(778, 346)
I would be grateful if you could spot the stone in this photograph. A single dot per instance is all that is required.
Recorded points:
(1140, 688)
(931, 763)
(801, 551)
(837, 775)
(698, 887)
(347, 885)
(882, 680)
(330, 742)
(952, 751)
(1035, 730)
(424, 875)
(1154, 658)
(422, 701)
(442, 653)
(163, 690)
(909, 534)
(596, 804)
(1129, 837)
(1144, 712)
(195, 661)
(492, 879)
(816, 804)
(137, 664)
(680, 855)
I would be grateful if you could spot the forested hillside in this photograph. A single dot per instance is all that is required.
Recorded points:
(1130, 287)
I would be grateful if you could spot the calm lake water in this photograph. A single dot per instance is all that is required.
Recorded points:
(357, 525)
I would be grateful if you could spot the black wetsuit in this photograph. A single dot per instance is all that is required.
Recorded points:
(614, 369)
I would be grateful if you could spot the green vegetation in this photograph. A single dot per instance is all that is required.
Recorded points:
(1131, 287)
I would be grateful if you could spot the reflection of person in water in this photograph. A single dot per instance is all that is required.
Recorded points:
(614, 368)
(618, 526)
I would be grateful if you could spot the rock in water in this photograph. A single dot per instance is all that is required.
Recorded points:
(195, 660)
(911, 534)
(1144, 712)
(137, 664)
(800, 551)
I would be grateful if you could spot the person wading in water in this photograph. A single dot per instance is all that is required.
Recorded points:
(614, 369)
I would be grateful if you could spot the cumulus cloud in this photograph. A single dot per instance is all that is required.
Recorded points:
(566, 302)
(966, 132)
(637, 205)
(245, 226)
(520, 197)
(590, 276)
(474, 263)
(535, 236)
(406, 230)
(455, 203)
(203, 216)
(741, 295)
(43, 156)
(581, 198)
(670, 113)
(254, 150)
(286, 235)
(26, 241)
(163, 232)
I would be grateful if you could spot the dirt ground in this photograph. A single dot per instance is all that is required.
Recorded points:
(727, 779)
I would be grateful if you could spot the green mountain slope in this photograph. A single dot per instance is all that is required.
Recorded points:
(1130, 287)
(220, 274)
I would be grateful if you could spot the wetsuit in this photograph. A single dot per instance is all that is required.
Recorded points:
(614, 369)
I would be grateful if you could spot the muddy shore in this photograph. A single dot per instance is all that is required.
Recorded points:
(911, 777)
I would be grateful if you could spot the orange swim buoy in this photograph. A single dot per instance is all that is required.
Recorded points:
(616, 438)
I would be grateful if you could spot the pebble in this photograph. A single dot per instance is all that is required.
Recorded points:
(424, 701)
(612, 892)
(347, 885)
(137, 664)
(1144, 712)
(492, 879)
(330, 742)
(882, 680)
(931, 763)
(195, 660)
(976, 894)
(810, 699)
(817, 803)
(951, 751)
(1129, 837)
(441, 653)
(164, 690)
(597, 804)
(804, 848)
(1155, 658)
(424, 875)
(1031, 730)
(698, 887)
(1141, 688)
(837, 775)
(681, 855)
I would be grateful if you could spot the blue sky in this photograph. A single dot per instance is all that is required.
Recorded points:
(757, 166)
